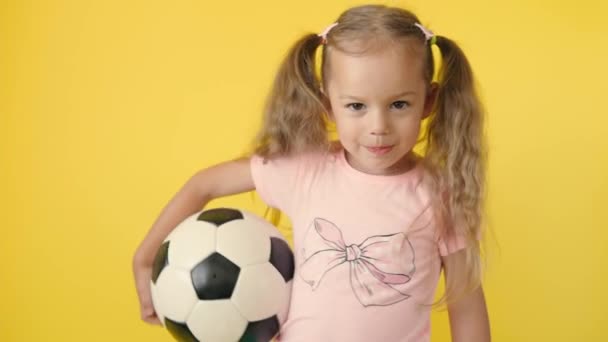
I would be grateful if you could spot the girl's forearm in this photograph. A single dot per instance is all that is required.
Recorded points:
(469, 321)
(220, 180)
(187, 201)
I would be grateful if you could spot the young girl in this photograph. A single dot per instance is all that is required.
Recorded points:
(374, 222)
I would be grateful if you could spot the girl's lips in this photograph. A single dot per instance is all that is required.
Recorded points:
(379, 150)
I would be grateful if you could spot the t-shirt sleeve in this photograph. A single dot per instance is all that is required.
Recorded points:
(446, 240)
(274, 180)
(451, 243)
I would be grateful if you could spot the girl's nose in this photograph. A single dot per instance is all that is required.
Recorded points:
(379, 125)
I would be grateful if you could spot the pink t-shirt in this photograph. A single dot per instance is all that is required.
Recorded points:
(367, 251)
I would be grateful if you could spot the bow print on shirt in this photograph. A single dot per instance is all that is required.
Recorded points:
(380, 266)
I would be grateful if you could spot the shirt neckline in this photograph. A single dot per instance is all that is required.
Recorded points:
(367, 177)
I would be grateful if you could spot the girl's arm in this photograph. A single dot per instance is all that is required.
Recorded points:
(221, 180)
(469, 320)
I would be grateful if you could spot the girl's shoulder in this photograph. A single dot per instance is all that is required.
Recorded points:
(320, 155)
(299, 160)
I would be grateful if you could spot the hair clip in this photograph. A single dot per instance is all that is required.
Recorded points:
(323, 35)
(428, 34)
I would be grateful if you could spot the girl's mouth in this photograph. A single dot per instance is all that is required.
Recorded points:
(379, 150)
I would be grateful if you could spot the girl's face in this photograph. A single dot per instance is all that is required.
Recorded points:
(378, 101)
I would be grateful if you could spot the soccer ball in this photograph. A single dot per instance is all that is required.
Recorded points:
(223, 275)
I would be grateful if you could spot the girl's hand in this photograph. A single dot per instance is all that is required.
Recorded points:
(143, 274)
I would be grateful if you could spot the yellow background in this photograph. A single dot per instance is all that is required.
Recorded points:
(107, 107)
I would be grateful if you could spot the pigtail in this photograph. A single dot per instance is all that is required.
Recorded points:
(294, 118)
(456, 151)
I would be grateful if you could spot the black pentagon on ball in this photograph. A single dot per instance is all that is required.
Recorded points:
(281, 257)
(215, 277)
(261, 331)
(180, 331)
(220, 216)
(160, 261)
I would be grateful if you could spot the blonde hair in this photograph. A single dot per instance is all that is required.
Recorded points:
(295, 120)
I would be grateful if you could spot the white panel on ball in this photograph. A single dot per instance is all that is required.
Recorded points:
(173, 294)
(270, 229)
(191, 242)
(257, 284)
(243, 242)
(216, 320)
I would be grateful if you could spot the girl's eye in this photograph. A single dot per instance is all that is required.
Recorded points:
(355, 106)
(401, 104)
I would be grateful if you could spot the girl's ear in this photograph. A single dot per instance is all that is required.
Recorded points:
(431, 98)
